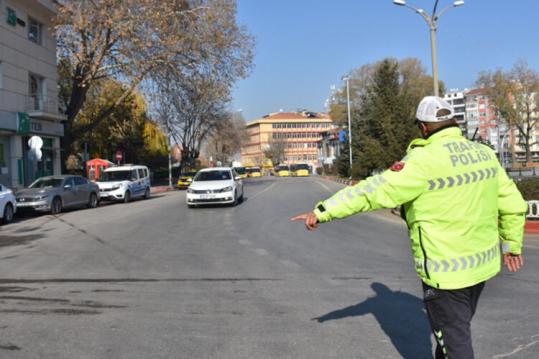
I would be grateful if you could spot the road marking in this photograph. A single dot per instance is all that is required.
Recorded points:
(244, 242)
(264, 190)
(325, 187)
(519, 348)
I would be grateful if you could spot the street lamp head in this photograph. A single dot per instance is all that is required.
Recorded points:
(345, 78)
(399, 2)
(458, 3)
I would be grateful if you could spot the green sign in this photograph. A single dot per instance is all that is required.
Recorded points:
(23, 123)
(11, 16)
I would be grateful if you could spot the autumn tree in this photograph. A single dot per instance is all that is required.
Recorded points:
(515, 95)
(132, 40)
(128, 127)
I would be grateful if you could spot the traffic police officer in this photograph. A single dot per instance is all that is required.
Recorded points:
(459, 205)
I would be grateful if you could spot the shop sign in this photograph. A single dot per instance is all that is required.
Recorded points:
(11, 16)
(23, 123)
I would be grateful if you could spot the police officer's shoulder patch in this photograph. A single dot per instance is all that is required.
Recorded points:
(397, 166)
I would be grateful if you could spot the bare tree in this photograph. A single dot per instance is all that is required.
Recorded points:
(275, 150)
(133, 40)
(515, 95)
(226, 139)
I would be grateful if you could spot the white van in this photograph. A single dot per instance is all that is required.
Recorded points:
(124, 183)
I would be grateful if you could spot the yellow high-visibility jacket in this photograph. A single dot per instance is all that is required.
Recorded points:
(457, 201)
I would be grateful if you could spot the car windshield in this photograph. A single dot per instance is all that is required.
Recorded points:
(240, 170)
(302, 166)
(189, 174)
(253, 169)
(213, 176)
(281, 168)
(114, 176)
(47, 183)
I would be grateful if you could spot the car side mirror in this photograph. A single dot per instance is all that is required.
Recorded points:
(67, 186)
(237, 178)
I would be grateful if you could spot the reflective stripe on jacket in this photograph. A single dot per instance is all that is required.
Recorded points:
(458, 204)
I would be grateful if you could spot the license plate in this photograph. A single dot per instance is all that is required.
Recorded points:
(207, 196)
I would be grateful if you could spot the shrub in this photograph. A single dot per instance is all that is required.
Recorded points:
(529, 188)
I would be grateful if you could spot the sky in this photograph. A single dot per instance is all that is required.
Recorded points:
(305, 46)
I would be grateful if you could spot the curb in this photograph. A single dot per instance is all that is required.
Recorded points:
(160, 189)
(531, 227)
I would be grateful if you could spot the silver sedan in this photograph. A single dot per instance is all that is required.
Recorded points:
(54, 193)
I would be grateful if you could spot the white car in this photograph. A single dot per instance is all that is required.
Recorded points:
(124, 183)
(8, 204)
(219, 185)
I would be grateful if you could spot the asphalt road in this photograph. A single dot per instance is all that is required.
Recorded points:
(153, 279)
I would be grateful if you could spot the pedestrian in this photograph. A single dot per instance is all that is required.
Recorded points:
(459, 204)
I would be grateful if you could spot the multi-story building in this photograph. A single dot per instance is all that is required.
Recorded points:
(456, 99)
(481, 117)
(297, 132)
(28, 91)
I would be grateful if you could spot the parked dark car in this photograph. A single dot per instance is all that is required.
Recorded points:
(54, 193)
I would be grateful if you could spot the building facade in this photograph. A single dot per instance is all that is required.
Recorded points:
(28, 92)
(297, 133)
(456, 99)
(481, 117)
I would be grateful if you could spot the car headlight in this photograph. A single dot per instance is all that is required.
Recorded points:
(227, 189)
(115, 187)
(42, 197)
(189, 180)
(189, 190)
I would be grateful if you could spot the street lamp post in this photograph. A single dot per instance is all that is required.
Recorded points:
(432, 22)
(347, 79)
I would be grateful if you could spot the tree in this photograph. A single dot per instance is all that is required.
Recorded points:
(384, 101)
(128, 127)
(275, 150)
(515, 96)
(227, 138)
(132, 40)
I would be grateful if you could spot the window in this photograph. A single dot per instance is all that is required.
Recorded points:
(79, 181)
(140, 173)
(35, 90)
(2, 160)
(34, 31)
(1, 75)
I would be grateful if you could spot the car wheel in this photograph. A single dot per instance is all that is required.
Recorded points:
(147, 193)
(127, 197)
(240, 200)
(56, 206)
(8, 214)
(92, 202)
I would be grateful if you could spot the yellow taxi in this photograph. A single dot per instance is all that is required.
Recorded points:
(185, 179)
(241, 172)
(282, 171)
(253, 172)
(300, 170)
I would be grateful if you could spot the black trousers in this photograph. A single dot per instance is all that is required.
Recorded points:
(450, 314)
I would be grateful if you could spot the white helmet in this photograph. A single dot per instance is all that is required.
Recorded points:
(429, 107)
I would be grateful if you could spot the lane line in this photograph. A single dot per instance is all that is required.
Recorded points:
(264, 190)
(325, 187)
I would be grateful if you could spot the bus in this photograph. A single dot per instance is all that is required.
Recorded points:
(282, 170)
(300, 170)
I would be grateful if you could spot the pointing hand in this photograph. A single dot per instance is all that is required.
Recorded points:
(311, 222)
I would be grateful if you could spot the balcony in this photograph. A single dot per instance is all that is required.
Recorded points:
(43, 108)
